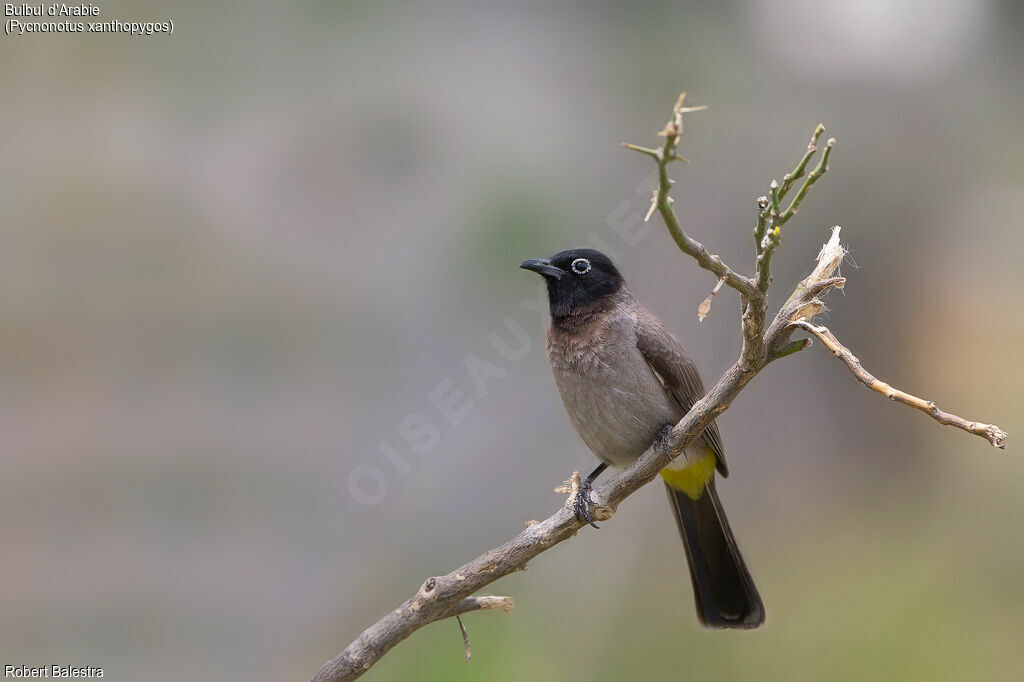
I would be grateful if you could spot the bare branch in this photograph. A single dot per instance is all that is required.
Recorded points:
(768, 237)
(444, 596)
(829, 258)
(450, 595)
(441, 596)
(662, 202)
(990, 432)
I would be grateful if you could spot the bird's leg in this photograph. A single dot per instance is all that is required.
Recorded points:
(581, 503)
(663, 440)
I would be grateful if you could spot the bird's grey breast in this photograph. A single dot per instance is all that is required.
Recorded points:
(613, 397)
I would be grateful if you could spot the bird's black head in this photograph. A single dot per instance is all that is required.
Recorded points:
(578, 280)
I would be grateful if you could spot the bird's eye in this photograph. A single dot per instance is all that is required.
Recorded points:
(580, 266)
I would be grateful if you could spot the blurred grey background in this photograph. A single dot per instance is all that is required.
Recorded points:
(237, 260)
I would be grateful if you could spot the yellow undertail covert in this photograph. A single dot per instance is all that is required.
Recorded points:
(690, 474)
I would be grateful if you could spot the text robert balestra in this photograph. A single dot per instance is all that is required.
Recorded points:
(51, 671)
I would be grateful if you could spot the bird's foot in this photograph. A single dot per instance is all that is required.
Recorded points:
(664, 436)
(581, 503)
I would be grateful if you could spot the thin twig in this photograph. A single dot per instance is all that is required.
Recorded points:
(484, 603)
(792, 347)
(662, 202)
(798, 172)
(820, 170)
(705, 306)
(990, 432)
(465, 639)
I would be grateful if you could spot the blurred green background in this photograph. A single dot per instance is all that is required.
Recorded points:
(235, 260)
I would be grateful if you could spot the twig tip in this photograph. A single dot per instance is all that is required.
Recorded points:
(465, 639)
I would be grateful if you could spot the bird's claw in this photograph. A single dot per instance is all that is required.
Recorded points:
(581, 504)
(663, 440)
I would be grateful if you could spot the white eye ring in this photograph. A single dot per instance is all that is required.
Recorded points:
(580, 266)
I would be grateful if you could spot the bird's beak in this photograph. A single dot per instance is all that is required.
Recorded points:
(542, 266)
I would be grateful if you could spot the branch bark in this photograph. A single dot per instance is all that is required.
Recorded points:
(450, 595)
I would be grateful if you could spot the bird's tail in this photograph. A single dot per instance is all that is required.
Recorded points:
(722, 586)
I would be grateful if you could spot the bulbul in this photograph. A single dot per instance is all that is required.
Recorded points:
(625, 380)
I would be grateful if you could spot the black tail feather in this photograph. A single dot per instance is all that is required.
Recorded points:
(722, 586)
